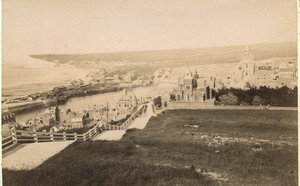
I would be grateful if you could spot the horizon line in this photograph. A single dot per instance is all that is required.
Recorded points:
(165, 49)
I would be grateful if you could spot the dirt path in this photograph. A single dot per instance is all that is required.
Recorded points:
(110, 135)
(32, 155)
(141, 122)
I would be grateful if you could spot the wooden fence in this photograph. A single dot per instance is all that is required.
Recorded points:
(8, 142)
(21, 136)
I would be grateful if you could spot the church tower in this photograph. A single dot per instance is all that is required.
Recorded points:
(188, 83)
(247, 55)
(245, 69)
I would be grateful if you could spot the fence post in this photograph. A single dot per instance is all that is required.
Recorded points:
(90, 134)
(144, 112)
(64, 136)
(35, 136)
(84, 139)
(14, 134)
(51, 136)
(75, 136)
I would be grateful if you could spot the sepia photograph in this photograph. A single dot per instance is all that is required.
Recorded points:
(149, 93)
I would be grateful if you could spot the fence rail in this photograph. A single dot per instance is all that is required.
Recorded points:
(21, 136)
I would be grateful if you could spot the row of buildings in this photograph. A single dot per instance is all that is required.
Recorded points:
(274, 72)
(194, 92)
(61, 119)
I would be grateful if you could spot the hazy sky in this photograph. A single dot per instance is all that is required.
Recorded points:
(85, 26)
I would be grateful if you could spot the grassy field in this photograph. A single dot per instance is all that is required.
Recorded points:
(181, 147)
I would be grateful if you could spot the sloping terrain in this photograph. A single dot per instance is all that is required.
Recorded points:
(181, 147)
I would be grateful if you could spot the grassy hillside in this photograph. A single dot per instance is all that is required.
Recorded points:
(182, 147)
(178, 56)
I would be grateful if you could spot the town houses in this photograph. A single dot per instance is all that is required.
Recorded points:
(274, 72)
(127, 103)
(56, 119)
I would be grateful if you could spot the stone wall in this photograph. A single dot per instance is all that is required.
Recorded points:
(191, 105)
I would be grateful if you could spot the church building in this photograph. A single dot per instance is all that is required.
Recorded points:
(245, 70)
(192, 92)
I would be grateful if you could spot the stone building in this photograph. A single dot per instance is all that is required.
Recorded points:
(244, 72)
(274, 72)
(127, 104)
(192, 89)
(75, 120)
(192, 92)
(72, 119)
(8, 117)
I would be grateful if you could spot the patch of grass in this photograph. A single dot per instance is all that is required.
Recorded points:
(168, 153)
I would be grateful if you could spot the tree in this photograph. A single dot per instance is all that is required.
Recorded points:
(68, 111)
(83, 120)
(157, 101)
(229, 99)
(57, 116)
(258, 101)
(282, 96)
(172, 97)
(208, 93)
(248, 85)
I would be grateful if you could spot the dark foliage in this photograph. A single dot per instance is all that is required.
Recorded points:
(157, 102)
(283, 96)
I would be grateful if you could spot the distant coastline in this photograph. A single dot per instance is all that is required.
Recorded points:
(20, 80)
(24, 89)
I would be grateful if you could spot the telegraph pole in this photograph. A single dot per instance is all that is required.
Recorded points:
(106, 112)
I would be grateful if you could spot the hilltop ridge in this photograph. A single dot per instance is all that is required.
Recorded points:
(178, 56)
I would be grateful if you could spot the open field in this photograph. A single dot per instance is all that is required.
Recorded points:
(182, 147)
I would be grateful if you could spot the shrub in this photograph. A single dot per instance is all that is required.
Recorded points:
(229, 99)
(258, 101)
